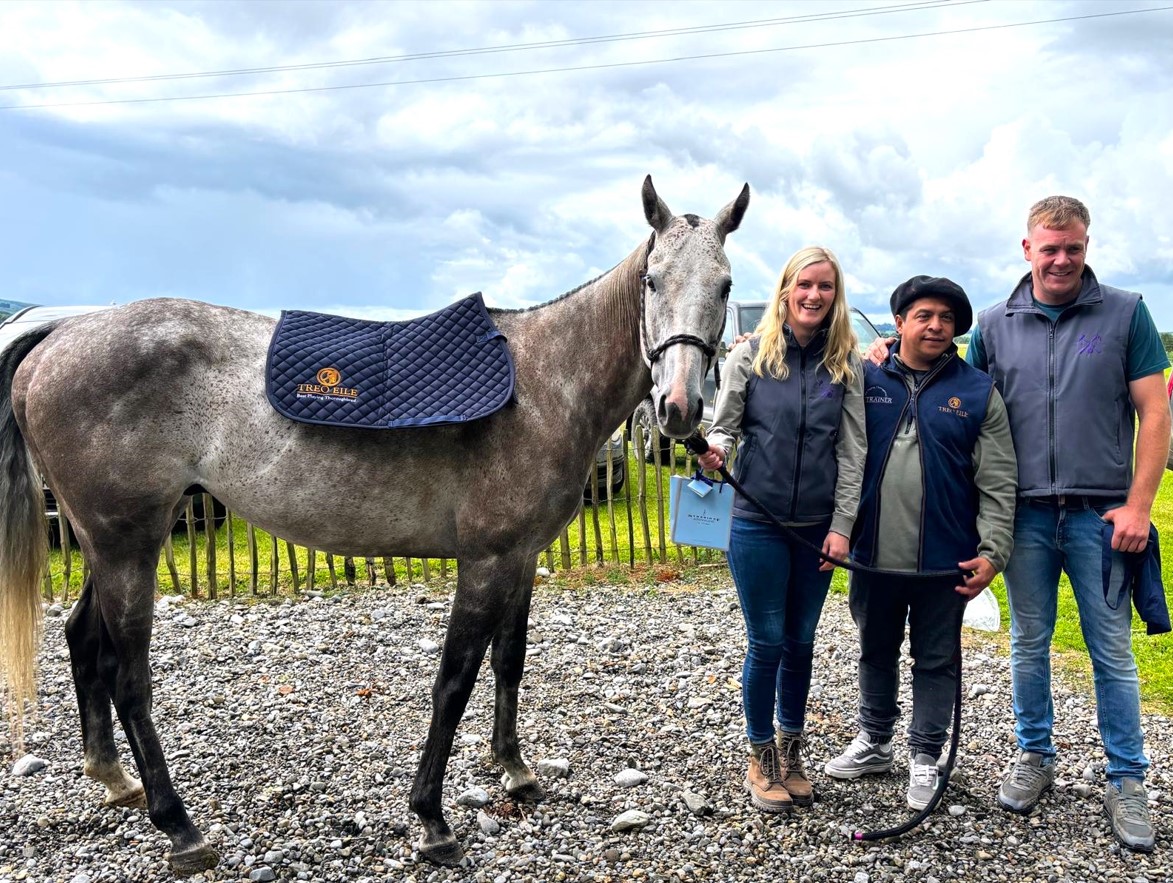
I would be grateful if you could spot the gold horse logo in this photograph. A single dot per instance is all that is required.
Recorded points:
(329, 376)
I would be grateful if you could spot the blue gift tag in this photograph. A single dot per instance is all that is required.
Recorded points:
(700, 487)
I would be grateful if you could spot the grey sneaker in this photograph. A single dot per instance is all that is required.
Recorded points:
(922, 780)
(1128, 811)
(861, 757)
(1027, 780)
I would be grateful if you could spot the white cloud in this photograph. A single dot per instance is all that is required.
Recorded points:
(904, 156)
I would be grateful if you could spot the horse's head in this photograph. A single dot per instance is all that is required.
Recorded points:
(683, 305)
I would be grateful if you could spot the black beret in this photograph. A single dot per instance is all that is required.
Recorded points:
(941, 288)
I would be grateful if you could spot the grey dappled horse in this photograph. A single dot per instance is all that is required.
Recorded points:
(126, 411)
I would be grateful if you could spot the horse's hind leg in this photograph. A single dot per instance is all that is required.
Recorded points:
(476, 615)
(84, 634)
(508, 663)
(126, 595)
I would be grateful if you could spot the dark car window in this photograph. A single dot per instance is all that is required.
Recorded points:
(750, 316)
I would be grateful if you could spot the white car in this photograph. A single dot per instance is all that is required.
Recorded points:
(34, 317)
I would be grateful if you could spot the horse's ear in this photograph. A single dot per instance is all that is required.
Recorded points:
(658, 214)
(729, 218)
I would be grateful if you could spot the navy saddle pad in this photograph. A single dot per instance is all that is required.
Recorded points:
(449, 367)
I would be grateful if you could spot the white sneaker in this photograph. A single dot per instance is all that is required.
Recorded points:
(862, 757)
(923, 777)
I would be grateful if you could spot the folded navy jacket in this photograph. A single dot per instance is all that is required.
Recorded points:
(1142, 574)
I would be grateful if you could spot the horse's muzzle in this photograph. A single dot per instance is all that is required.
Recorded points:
(679, 415)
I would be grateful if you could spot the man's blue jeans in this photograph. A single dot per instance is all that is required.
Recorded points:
(1049, 537)
(782, 591)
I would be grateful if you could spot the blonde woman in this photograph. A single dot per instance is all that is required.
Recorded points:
(793, 395)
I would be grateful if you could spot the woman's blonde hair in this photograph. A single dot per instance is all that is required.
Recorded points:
(841, 341)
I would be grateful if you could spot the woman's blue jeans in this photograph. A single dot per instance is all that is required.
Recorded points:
(782, 591)
(1048, 538)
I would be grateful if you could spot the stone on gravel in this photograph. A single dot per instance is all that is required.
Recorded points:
(629, 778)
(697, 804)
(630, 820)
(554, 767)
(488, 825)
(28, 765)
(474, 797)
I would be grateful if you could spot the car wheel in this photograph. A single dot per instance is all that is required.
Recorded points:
(645, 417)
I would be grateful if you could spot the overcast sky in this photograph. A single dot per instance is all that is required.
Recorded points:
(908, 138)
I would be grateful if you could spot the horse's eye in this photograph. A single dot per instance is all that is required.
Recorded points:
(651, 284)
(725, 289)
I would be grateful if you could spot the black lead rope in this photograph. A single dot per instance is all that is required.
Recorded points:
(697, 444)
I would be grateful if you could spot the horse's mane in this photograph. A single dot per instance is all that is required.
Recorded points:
(621, 291)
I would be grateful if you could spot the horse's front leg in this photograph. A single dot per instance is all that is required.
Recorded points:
(508, 663)
(126, 592)
(85, 635)
(481, 586)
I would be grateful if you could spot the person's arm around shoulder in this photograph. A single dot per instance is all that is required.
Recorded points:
(996, 479)
(851, 451)
(1131, 521)
(877, 351)
(729, 408)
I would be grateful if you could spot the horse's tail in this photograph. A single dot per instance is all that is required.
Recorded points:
(24, 544)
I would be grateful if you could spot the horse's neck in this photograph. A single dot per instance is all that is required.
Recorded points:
(588, 344)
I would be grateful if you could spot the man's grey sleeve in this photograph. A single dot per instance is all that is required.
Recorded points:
(996, 478)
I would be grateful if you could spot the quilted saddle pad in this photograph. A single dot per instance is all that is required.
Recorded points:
(449, 367)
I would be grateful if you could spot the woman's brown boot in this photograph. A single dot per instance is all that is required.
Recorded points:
(792, 770)
(764, 780)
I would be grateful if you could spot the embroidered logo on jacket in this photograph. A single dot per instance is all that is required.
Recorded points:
(1090, 346)
(877, 395)
(953, 406)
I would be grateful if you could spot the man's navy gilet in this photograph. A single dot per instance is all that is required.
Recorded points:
(788, 434)
(1065, 384)
(949, 406)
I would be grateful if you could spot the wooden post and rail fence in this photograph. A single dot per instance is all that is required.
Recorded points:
(225, 557)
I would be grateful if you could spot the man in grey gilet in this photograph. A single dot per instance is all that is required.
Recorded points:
(1076, 362)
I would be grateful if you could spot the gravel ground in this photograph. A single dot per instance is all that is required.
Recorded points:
(293, 733)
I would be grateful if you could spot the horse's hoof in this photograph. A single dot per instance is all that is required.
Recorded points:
(446, 852)
(527, 792)
(136, 798)
(193, 860)
(523, 788)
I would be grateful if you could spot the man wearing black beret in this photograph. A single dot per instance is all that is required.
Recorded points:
(938, 495)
